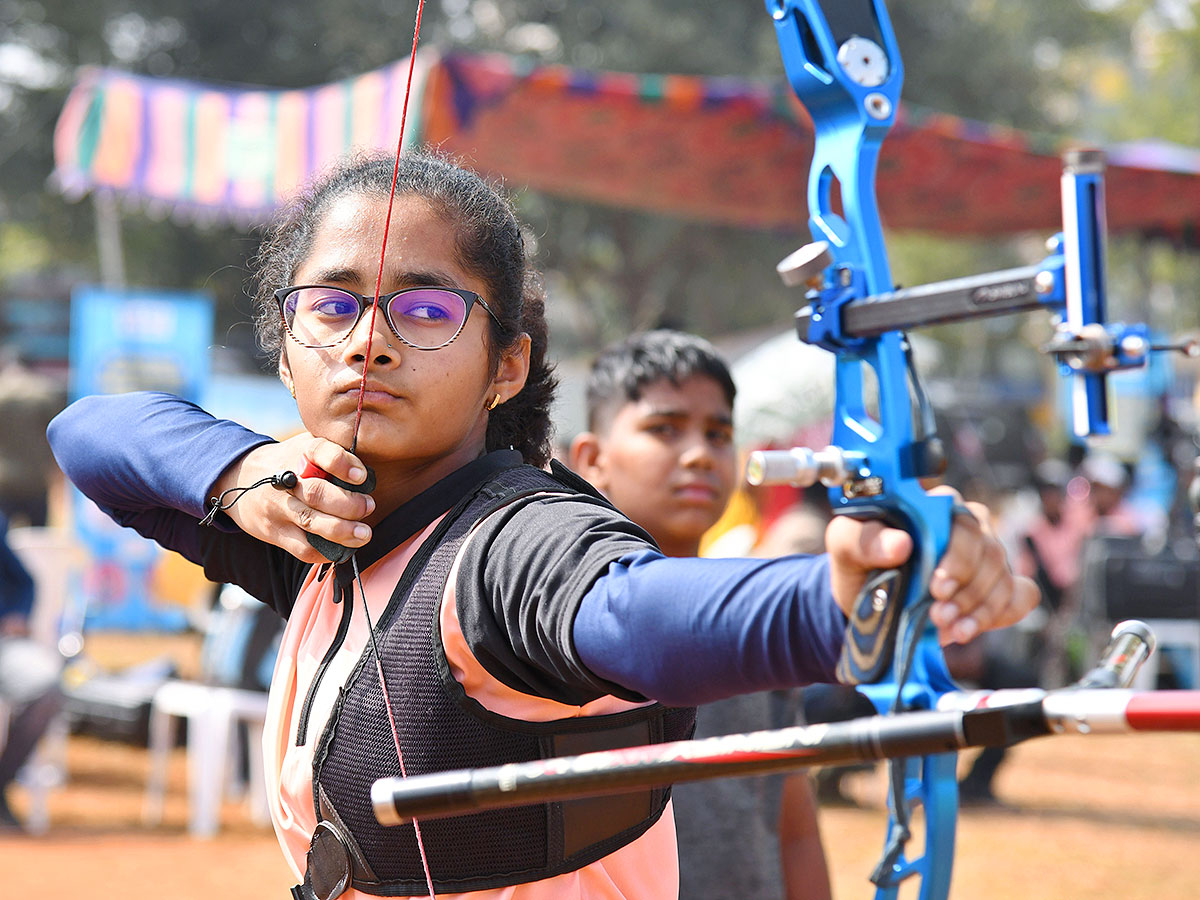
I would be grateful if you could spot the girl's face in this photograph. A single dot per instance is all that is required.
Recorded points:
(424, 411)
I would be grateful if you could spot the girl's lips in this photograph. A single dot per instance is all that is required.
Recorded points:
(353, 387)
(374, 392)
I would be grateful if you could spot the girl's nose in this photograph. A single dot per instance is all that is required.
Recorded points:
(376, 343)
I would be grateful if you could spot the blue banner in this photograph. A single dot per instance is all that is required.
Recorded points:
(132, 340)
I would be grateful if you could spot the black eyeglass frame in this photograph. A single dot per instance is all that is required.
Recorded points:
(364, 303)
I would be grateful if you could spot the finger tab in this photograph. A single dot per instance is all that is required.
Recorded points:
(312, 470)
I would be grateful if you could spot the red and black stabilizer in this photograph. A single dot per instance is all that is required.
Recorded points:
(984, 719)
(1099, 704)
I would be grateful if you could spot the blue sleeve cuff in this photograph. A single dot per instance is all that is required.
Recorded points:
(690, 631)
(146, 450)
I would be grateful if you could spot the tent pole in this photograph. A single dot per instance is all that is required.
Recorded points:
(108, 239)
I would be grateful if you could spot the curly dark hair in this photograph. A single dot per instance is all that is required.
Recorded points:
(489, 244)
(623, 370)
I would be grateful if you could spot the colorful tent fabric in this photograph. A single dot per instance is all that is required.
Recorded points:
(737, 152)
(729, 151)
(218, 152)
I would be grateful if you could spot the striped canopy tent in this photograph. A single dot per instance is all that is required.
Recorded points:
(209, 152)
(729, 151)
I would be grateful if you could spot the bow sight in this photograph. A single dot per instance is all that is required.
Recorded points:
(1070, 282)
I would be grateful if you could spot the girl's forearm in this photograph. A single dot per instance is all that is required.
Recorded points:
(146, 450)
(689, 631)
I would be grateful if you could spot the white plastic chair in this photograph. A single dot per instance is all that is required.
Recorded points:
(212, 713)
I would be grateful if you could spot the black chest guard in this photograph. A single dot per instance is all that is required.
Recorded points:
(441, 728)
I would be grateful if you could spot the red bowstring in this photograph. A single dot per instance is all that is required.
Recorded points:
(387, 704)
(362, 390)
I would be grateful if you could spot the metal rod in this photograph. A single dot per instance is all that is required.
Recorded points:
(978, 296)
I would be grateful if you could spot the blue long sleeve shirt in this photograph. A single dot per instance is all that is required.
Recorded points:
(681, 631)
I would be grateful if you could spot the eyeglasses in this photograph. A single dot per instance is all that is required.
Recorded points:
(426, 318)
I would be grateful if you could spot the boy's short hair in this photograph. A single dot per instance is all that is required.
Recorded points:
(625, 369)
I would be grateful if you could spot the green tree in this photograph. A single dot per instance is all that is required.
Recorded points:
(1011, 62)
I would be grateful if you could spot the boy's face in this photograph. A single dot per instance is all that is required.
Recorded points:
(666, 460)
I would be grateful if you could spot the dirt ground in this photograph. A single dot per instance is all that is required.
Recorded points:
(1115, 816)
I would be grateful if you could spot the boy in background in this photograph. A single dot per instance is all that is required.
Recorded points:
(660, 447)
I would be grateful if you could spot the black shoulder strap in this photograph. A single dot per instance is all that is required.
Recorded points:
(411, 517)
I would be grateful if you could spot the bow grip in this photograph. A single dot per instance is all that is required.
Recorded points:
(870, 640)
(335, 553)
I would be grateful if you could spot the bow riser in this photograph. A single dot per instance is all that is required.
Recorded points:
(843, 64)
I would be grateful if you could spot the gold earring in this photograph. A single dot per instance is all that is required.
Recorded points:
(495, 402)
(292, 388)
